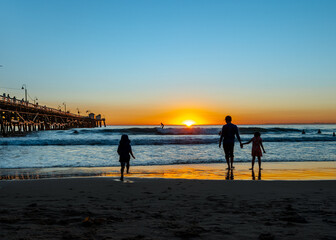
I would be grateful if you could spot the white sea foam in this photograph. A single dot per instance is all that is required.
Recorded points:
(156, 146)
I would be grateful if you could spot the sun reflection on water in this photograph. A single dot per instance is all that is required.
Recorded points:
(271, 171)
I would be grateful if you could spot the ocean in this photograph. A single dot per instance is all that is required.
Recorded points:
(97, 147)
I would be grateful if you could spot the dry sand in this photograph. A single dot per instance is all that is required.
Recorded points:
(104, 208)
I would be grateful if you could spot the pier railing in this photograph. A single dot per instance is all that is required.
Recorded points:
(36, 106)
(19, 116)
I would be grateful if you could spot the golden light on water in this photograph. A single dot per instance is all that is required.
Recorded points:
(216, 171)
(272, 171)
(188, 123)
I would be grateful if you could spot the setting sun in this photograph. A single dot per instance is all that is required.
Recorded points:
(188, 123)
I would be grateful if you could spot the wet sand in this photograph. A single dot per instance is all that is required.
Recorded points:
(271, 171)
(149, 208)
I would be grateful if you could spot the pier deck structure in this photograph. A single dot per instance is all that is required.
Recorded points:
(19, 117)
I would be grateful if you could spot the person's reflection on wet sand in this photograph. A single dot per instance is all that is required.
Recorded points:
(259, 175)
(229, 174)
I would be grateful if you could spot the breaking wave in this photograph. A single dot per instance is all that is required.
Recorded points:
(170, 141)
(182, 131)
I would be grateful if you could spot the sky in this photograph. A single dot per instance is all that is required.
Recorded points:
(147, 62)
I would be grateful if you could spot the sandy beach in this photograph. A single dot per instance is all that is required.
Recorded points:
(140, 208)
(141, 120)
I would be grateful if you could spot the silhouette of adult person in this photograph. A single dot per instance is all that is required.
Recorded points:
(162, 126)
(229, 131)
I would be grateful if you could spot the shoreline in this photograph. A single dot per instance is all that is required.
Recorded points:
(325, 170)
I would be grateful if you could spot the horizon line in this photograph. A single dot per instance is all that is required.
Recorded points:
(316, 123)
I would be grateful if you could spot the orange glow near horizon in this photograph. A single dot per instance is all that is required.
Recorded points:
(208, 115)
(178, 118)
(189, 123)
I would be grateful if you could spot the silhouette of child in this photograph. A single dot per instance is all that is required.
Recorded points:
(124, 151)
(256, 149)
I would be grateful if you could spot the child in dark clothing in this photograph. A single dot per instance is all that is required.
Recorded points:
(124, 151)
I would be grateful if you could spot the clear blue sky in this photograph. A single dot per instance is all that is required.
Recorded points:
(267, 55)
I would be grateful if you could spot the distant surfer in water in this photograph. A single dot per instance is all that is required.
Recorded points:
(162, 126)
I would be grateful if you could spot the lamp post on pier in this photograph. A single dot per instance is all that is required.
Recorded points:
(25, 88)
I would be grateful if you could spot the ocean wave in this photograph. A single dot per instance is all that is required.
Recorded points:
(181, 131)
(168, 162)
(169, 141)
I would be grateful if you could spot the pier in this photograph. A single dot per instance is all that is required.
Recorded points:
(18, 117)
